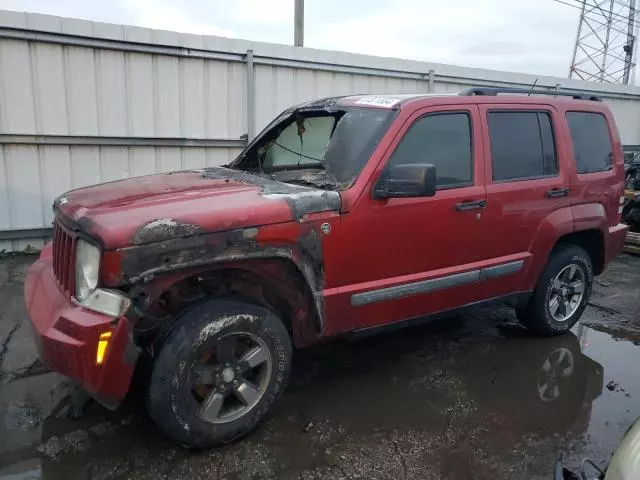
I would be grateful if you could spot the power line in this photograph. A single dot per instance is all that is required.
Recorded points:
(623, 4)
(577, 7)
(604, 48)
(622, 18)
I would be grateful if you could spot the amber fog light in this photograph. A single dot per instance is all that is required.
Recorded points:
(103, 343)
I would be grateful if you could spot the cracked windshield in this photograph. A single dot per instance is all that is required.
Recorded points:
(323, 148)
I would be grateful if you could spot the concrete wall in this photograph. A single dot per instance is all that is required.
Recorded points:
(84, 102)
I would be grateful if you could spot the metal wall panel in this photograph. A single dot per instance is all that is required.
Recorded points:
(32, 176)
(80, 81)
(112, 93)
(23, 175)
(627, 115)
(49, 89)
(166, 82)
(18, 109)
(50, 96)
(5, 208)
(159, 91)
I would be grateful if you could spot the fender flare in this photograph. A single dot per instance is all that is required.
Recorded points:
(165, 263)
(554, 226)
(564, 221)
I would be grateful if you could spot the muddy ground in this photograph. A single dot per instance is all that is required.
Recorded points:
(468, 397)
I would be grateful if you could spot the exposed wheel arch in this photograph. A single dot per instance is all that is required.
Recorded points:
(277, 284)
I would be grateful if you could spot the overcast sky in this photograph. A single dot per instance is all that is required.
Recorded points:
(517, 35)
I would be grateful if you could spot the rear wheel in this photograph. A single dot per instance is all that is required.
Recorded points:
(218, 373)
(562, 292)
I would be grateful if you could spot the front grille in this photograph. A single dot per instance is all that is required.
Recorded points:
(64, 246)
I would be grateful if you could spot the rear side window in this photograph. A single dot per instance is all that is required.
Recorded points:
(591, 142)
(443, 140)
(522, 145)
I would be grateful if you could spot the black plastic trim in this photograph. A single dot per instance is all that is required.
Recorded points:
(512, 299)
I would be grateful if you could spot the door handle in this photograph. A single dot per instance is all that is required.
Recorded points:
(558, 192)
(471, 205)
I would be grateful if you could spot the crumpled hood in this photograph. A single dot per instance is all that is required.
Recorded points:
(158, 207)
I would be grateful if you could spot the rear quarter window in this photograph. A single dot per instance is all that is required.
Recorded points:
(592, 146)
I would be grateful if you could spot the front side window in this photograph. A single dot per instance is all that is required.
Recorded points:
(591, 142)
(442, 140)
(522, 145)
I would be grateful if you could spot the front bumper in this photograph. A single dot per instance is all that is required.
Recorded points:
(67, 334)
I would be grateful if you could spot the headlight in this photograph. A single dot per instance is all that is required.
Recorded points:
(108, 302)
(87, 268)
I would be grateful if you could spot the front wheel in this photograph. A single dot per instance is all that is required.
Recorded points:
(218, 373)
(562, 292)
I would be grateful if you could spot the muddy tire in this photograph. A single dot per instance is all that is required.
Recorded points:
(219, 372)
(562, 292)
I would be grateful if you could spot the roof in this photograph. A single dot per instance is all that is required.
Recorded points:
(474, 95)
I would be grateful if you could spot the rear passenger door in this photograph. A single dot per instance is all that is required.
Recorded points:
(526, 178)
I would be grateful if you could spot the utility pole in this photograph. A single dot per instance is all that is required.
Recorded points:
(298, 24)
(604, 49)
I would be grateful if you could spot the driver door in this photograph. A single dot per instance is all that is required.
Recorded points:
(409, 257)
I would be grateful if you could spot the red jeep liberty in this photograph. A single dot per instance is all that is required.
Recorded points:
(345, 214)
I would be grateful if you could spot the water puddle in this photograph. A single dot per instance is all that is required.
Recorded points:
(451, 400)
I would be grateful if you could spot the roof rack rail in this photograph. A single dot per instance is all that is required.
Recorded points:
(493, 91)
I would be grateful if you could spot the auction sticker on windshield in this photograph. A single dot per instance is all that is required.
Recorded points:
(378, 101)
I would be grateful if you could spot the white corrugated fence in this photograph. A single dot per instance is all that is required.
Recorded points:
(84, 102)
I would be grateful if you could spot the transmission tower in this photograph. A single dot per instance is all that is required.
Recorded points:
(605, 43)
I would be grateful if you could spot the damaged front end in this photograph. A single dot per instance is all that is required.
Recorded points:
(163, 278)
(128, 257)
(80, 329)
(160, 266)
(96, 306)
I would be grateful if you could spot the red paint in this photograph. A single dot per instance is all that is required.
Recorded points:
(551, 228)
(67, 335)
(116, 210)
(371, 244)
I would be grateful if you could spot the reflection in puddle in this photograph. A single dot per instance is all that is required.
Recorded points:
(617, 408)
(528, 384)
(459, 399)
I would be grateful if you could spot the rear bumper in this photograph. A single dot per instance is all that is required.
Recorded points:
(66, 335)
(615, 241)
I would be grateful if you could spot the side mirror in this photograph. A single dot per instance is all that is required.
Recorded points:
(402, 181)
